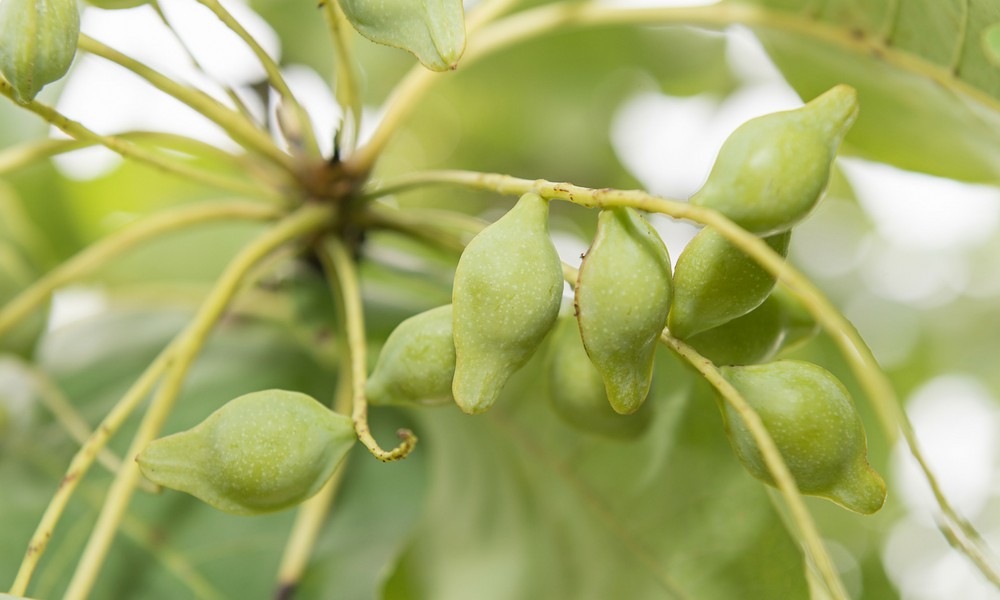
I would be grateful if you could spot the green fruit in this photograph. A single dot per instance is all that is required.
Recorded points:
(622, 300)
(715, 282)
(432, 30)
(508, 286)
(262, 452)
(815, 426)
(753, 338)
(417, 362)
(576, 389)
(37, 43)
(773, 169)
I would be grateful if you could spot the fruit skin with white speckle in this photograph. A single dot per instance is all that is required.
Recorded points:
(37, 43)
(715, 282)
(417, 363)
(810, 416)
(772, 170)
(508, 286)
(262, 452)
(623, 294)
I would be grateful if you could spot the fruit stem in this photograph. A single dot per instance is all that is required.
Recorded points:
(348, 75)
(131, 150)
(304, 127)
(807, 530)
(99, 254)
(342, 273)
(232, 122)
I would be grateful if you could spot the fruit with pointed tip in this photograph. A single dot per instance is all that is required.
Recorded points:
(622, 299)
(810, 416)
(772, 170)
(576, 390)
(261, 452)
(508, 286)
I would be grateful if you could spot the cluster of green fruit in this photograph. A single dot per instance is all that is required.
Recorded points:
(508, 287)
(269, 450)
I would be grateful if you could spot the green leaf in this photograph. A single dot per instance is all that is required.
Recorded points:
(927, 83)
(432, 30)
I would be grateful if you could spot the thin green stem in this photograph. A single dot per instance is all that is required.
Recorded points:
(232, 122)
(348, 75)
(303, 133)
(22, 155)
(97, 255)
(127, 149)
(70, 419)
(186, 346)
(342, 272)
(807, 530)
(79, 466)
(312, 514)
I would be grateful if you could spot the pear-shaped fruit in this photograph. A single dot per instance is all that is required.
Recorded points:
(417, 362)
(715, 282)
(37, 43)
(432, 30)
(622, 301)
(772, 170)
(815, 426)
(508, 286)
(262, 452)
(577, 392)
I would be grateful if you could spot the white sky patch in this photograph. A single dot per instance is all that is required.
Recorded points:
(74, 304)
(669, 143)
(958, 424)
(923, 211)
(110, 99)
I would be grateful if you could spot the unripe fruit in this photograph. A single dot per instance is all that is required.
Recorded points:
(815, 426)
(622, 300)
(772, 170)
(576, 389)
(37, 43)
(417, 362)
(262, 452)
(715, 282)
(753, 338)
(508, 286)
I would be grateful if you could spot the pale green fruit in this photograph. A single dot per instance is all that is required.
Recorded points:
(815, 426)
(417, 362)
(715, 282)
(753, 338)
(117, 4)
(37, 43)
(622, 300)
(508, 286)
(772, 170)
(262, 452)
(576, 389)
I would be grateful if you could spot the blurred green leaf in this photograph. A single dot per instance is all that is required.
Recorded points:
(432, 30)
(929, 94)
